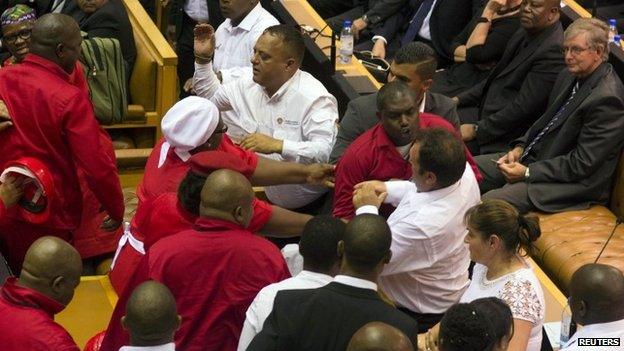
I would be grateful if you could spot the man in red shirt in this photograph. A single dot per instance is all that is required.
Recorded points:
(52, 120)
(214, 270)
(172, 213)
(382, 153)
(50, 274)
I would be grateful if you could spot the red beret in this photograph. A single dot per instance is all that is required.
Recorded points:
(207, 162)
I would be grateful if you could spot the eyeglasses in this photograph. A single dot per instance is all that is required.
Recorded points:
(23, 34)
(574, 50)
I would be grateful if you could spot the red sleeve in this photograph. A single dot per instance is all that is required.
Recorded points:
(351, 170)
(432, 121)
(92, 155)
(250, 158)
(262, 213)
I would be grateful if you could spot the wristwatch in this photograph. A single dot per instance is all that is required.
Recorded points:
(365, 19)
(527, 173)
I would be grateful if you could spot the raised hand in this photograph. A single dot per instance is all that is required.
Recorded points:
(204, 41)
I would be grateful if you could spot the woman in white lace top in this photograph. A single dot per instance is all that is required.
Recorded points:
(496, 234)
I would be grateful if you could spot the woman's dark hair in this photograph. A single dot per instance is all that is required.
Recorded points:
(498, 217)
(189, 192)
(477, 326)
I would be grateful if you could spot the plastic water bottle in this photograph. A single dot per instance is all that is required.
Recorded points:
(612, 30)
(618, 40)
(346, 42)
(568, 327)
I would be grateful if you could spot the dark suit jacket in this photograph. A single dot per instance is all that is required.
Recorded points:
(177, 13)
(110, 21)
(361, 115)
(325, 318)
(573, 164)
(378, 10)
(515, 94)
(448, 19)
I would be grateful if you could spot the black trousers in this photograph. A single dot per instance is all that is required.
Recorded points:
(184, 50)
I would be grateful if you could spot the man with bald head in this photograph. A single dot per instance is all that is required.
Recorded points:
(214, 271)
(151, 318)
(378, 336)
(597, 303)
(52, 120)
(326, 318)
(50, 274)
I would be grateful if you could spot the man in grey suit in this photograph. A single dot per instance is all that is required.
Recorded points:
(567, 158)
(414, 64)
(501, 108)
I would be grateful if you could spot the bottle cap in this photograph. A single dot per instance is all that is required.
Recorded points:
(612, 21)
(617, 38)
(346, 23)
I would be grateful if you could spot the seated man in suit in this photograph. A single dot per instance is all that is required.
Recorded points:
(50, 274)
(213, 270)
(566, 160)
(327, 317)
(105, 19)
(382, 152)
(596, 293)
(151, 318)
(428, 271)
(503, 106)
(414, 64)
(318, 244)
(280, 111)
(434, 22)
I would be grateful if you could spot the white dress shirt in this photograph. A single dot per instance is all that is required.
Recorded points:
(302, 113)
(197, 10)
(425, 31)
(599, 330)
(166, 347)
(293, 258)
(355, 282)
(522, 292)
(428, 271)
(234, 45)
(262, 305)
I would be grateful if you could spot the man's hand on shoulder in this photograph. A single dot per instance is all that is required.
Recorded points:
(372, 193)
(321, 174)
(10, 191)
(5, 118)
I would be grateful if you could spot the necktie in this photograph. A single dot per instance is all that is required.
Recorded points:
(550, 124)
(416, 22)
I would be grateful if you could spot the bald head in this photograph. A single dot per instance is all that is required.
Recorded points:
(227, 195)
(597, 292)
(151, 315)
(52, 267)
(56, 37)
(377, 336)
(367, 241)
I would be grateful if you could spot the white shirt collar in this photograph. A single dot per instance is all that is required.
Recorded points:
(283, 89)
(355, 282)
(248, 22)
(309, 275)
(597, 330)
(421, 108)
(166, 347)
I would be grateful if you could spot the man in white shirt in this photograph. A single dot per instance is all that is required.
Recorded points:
(318, 244)
(429, 267)
(281, 111)
(597, 303)
(151, 318)
(325, 318)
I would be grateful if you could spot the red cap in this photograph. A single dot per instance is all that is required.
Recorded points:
(209, 161)
(38, 187)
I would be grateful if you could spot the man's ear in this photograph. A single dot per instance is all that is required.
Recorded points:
(582, 308)
(388, 257)
(431, 179)
(57, 284)
(60, 50)
(178, 322)
(238, 215)
(427, 83)
(290, 64)
(340, 249)
(124, 326)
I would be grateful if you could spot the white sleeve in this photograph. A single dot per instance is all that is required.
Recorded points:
(411, 249)
(319, 132)
(206, 84)
(256, 314)
(233, 73)
(397, 189)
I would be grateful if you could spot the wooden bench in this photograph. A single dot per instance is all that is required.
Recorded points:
(152, 92)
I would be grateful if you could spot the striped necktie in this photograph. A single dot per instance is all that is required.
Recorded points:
(416, 22)
(550, 124)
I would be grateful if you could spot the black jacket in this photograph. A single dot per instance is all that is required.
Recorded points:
(515, 94)
(325, 318)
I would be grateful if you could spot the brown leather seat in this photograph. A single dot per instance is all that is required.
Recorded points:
(574, 238)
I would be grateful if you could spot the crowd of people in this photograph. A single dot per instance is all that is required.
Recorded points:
(408, 218)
